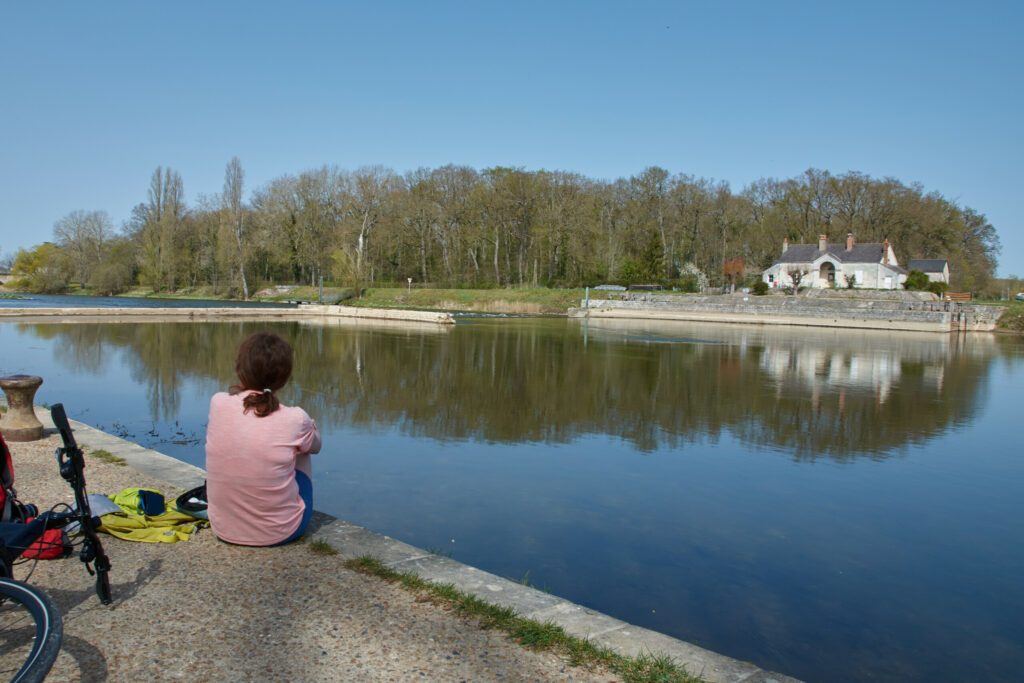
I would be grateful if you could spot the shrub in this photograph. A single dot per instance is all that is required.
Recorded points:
(630, 272)
(760, 288)
(937, 288)
(916, 280)
(687, 283)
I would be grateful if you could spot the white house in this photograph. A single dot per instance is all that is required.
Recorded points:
(937, 269)
(872, 265)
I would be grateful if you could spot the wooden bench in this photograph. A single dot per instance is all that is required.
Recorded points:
(957, 297)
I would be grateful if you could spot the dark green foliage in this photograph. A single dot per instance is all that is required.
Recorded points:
(937, 288)
(631, 272)
(686, 283)
(916, 281)
(760, 288)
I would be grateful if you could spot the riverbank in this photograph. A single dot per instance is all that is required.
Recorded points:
(525, 301)
(320, 603)
(1012, 321)
(513, 300)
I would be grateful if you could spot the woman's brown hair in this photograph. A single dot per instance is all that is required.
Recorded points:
(263, 365)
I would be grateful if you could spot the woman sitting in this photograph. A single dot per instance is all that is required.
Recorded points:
(257, 451)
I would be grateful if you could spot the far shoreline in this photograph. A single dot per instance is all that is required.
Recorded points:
(528, 301)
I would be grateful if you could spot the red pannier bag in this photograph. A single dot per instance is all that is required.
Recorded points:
(54, 543)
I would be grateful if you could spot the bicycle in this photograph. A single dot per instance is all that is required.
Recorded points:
(31, 627)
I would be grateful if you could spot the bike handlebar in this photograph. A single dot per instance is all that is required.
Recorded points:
(72, 465)
(60, 421)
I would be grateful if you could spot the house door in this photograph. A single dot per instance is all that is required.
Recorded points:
(827, 274)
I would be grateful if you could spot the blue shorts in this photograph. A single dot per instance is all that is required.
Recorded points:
(306, 493)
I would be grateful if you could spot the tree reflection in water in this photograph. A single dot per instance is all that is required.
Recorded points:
(808, 392)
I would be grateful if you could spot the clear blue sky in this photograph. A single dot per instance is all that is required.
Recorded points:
(96, 95)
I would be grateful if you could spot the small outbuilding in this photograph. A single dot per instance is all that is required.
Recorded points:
(823, 265)
(937, 269)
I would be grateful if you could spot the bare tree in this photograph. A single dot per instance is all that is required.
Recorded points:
(233, 212)
(82, 234)
(369, 194)
(164, 215)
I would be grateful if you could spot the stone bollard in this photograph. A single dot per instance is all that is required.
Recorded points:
(20, 423)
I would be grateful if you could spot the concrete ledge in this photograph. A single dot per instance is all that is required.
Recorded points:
(766, 318)
(379, 313)
(904, 312)
(206, 314)
(353, 541)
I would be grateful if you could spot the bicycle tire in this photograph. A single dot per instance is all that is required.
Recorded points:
(31, 631)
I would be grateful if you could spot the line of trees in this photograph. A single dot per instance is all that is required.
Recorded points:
(457, 226)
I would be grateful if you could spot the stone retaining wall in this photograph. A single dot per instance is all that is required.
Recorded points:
(881, 314)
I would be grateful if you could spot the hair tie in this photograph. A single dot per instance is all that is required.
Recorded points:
(267, 391)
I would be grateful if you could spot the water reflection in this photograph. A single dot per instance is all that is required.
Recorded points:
(812, 393)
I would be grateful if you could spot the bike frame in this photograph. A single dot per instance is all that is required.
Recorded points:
(15, 538)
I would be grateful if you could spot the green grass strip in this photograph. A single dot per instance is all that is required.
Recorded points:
(106, 456)
(533, 634)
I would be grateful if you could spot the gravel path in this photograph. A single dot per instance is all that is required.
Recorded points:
(203, 610)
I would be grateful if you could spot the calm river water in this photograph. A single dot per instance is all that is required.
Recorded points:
(835, 505)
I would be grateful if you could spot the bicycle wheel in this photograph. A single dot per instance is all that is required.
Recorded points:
(31, 630)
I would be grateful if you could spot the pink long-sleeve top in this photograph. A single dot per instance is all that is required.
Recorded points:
(250, 470)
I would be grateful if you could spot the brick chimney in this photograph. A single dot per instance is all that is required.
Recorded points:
(885, 251)
(785, 244)
(822, 243)
(849, 241)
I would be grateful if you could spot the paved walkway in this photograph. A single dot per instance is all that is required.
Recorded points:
(206, 611)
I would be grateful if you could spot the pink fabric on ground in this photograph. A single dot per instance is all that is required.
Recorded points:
(250, 470)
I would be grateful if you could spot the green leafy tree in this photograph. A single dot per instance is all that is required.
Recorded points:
(46, 269)
(118, 269)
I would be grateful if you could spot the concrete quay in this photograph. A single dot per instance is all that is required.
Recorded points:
(352, 541)
(221, 313)
(855, 312)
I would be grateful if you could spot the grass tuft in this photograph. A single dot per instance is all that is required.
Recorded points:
(318, 547)
(537, 635)
(107, 456)
(1012, 320)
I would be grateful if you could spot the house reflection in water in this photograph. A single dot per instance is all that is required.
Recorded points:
(836, 393)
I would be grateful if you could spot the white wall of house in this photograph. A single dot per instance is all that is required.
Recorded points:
(867, 275)
(940, 277)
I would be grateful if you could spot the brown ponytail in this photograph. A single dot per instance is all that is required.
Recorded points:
(263, 365)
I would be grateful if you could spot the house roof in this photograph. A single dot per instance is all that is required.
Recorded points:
(927, 265)
(869, 252)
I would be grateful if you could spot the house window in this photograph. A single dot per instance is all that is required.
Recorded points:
(771, 278)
